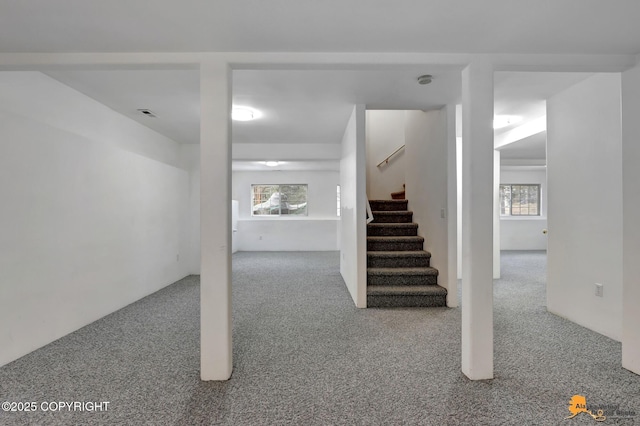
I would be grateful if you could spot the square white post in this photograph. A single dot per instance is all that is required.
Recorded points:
(630, 222)
(452, 207)
(496, 214)
(477, 221)
(215, 221)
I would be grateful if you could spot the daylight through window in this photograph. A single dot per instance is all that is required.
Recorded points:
(520, 200)
(279, 200)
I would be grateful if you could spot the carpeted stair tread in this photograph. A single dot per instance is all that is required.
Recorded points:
(395, 243)
(403, 290)
(397, 254)
(396, 238)
(398, 259)
(430, 296)
(392, 213)
(392, 229)
(392, 216)
(398, 195)
(405, 276)
(402, 271)
(388, 205)
(393, 225)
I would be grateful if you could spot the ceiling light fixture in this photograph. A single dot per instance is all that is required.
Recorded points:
(500, 121)
(239, 113)
(425, 79)
(271, 163)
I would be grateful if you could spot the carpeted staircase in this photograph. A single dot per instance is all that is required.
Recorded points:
(398, 271)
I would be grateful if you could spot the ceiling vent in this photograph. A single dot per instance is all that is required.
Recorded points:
(147, 112)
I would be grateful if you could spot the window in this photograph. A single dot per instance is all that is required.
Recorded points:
(338, 197)
(520, 200)
(279, 200)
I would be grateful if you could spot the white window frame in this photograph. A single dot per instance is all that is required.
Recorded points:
(510, 212)
(278, 191)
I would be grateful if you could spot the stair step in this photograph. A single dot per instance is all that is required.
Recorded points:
(406, 296)
(392, 217)
(398, 259)
(402, 276)
(395, 243)
(398, 195)
(392, 229)
(388, 205)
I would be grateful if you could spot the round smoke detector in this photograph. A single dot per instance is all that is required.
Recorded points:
(425, 79)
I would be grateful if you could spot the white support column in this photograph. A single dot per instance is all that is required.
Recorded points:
(477, 221)
(215, 221)
(630, 223)
(452, 208)
(496, 214)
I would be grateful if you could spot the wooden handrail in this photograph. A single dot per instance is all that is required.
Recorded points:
(386, 160)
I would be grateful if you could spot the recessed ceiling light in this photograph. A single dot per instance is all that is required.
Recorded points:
(240, 113)
(500, 121)
(271, 163)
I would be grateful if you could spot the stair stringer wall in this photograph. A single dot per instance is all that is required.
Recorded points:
(353, 201)
(428, 135)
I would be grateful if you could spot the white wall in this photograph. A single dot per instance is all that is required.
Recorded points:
(426, 170)
(353, 243)
(584, 162)
(631, 224)
(524, 233)
(93, 212)
(315, 232)
(384, 134)
(286, 151)
(190, 161)
(235, 216)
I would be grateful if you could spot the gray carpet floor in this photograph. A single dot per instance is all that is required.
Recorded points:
(304, 355)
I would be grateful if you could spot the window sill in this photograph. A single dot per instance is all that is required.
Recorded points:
(285, 218)
(509, 218)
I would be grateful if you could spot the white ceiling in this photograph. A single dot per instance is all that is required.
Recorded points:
(173, 95)
(531, 148)
(463, 26)
(525, 93)
(308, 106)
(313, 106)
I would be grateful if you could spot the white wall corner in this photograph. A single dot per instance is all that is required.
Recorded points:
(353, 252)
(452, 207)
